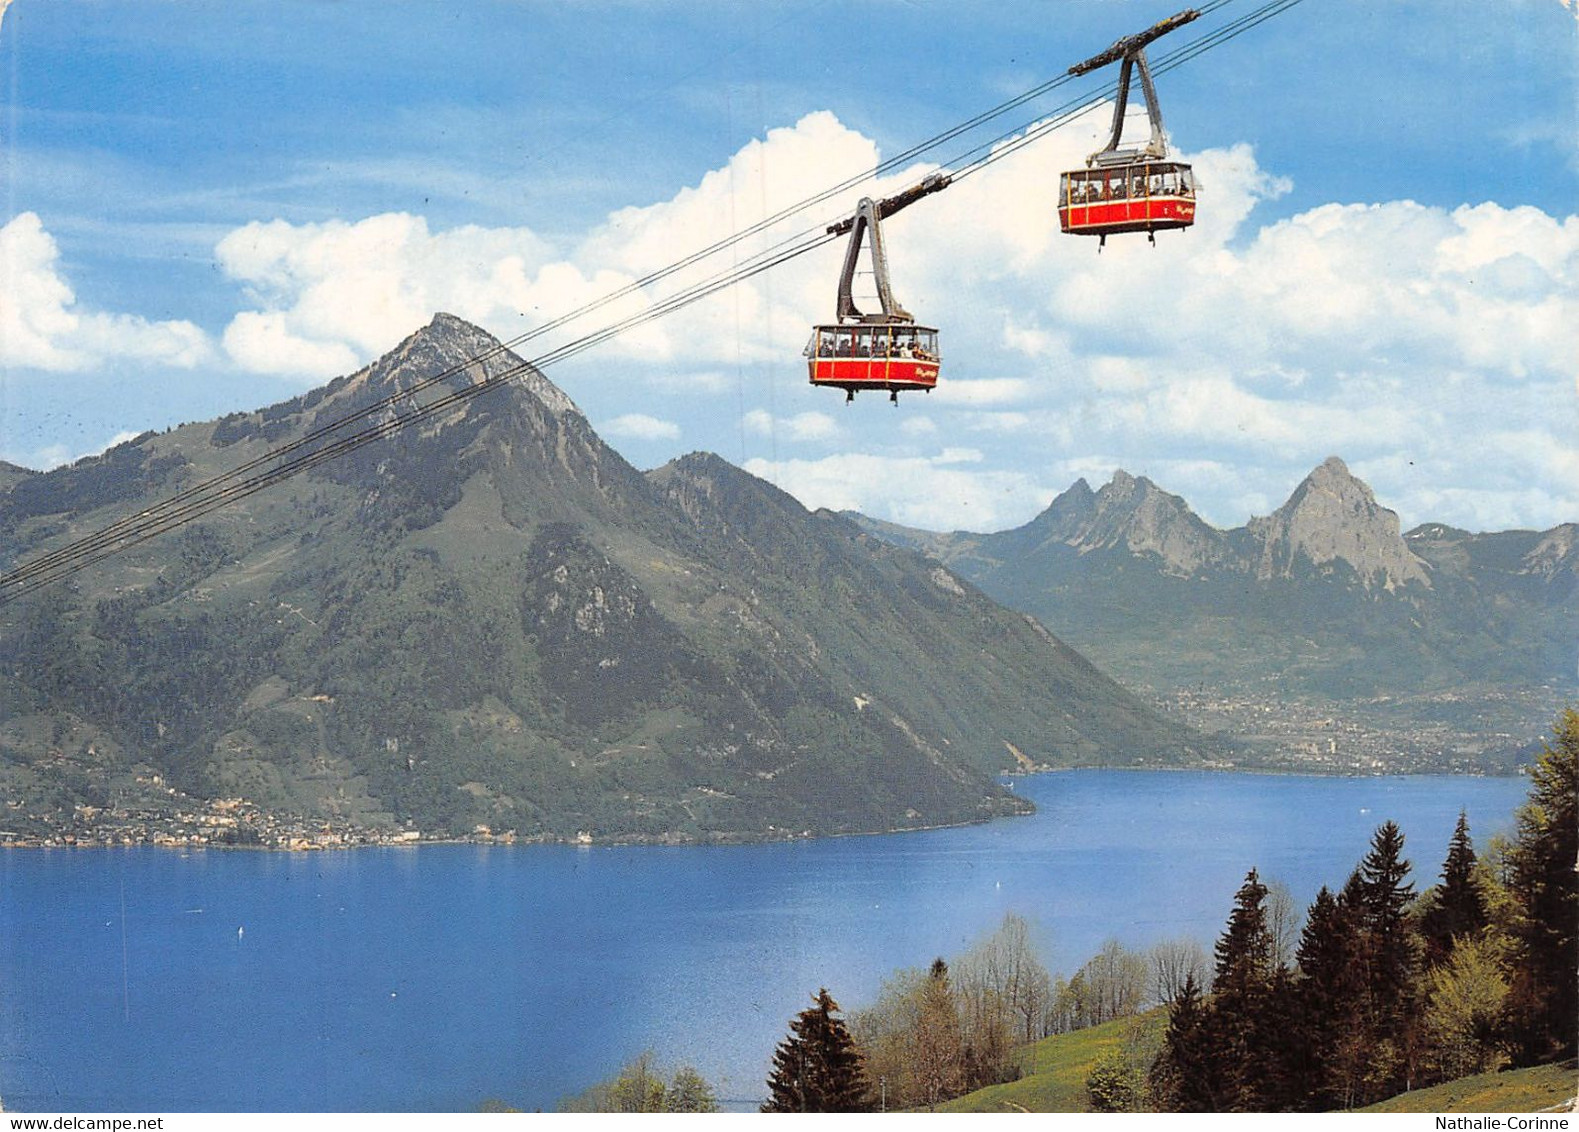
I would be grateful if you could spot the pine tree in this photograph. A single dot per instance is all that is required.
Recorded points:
(1244, 951)
(1545, 887)
(817, 1068)
(1459, 906)
(1330, 995)
(1183, 1078)
(1239, 996)
(1277, 1042)
(1390, 954)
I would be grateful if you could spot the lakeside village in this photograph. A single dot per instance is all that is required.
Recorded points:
(1490, 732)
(1291, 737)
(181, 821)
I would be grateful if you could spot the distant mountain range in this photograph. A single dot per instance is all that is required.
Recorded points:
(1323, 597)
(492, 621)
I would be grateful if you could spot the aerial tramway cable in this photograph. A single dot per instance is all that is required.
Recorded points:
(273, 467)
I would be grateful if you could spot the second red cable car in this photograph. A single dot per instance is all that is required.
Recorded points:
(1129, 190)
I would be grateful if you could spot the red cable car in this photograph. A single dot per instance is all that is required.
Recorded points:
(1129, 190)
(888, 350)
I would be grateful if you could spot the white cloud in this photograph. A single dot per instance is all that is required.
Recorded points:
(331, 296)
(914, 490)
(983, 391)
(43, 327)
(639, 426)
(800, 427)
(1357, 329)
(262, 342)
(959, 456)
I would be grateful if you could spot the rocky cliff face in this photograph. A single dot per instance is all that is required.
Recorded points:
(1134, 515)
(489, 618)
(1555, 555)
(1333, 519)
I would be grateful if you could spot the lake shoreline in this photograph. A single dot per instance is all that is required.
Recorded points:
(421, 981)
(355, 838)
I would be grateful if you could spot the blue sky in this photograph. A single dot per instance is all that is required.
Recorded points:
(212, 206)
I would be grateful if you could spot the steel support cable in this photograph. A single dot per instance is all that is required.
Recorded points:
(162, 518)
(121, 528)
(17, 586)
(182, 501)
(1015, 140)
(153, 514)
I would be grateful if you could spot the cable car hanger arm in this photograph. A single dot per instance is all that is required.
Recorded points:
(1130, 52)
(1133, 43)
(867, 222)
(931, 183)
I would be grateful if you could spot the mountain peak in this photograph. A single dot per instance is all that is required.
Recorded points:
(1332, 516)
(450, 343)
(1129, 513)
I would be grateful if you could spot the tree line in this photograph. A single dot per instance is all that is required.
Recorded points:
(1389, 991)
(1381, 990)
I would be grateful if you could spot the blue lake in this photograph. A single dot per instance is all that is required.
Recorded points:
(435, 977)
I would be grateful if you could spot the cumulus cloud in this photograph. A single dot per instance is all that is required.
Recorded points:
(983, 391)
(330, 296)
(800, 427)
(639, 426)
(1362, 328)
(42, 326)
(920, 491)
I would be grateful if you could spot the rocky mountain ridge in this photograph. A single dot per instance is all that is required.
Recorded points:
(1324, 596)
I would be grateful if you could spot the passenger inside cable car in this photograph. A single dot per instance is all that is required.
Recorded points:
(892, 357)
(1144, 196)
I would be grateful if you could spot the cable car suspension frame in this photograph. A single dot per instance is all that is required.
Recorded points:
(885, 349)
(1129, 190)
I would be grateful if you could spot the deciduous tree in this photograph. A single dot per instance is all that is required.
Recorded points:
(1112, 1085)
(937, 1044)
(1465, 1001)
(1172, 963)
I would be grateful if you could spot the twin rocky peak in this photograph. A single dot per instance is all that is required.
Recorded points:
(1331, 518)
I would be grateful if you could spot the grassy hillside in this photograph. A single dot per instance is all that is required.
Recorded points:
(1056, 1068)
(1516, 1090)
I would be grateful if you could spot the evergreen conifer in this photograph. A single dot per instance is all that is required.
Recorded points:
(1239, 1069)
(1329, 996)
(1545, 885)
(1183, 1080)
(1459, 907)
(817, 1068)
(1391, 957)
